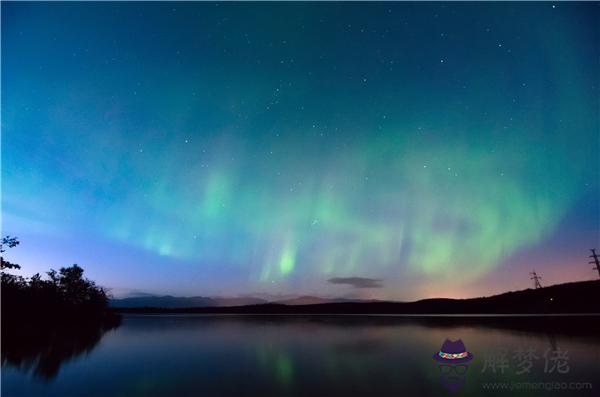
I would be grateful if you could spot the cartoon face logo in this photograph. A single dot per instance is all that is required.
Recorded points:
(453, 359)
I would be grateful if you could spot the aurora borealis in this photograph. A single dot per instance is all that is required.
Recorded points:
(236, 148)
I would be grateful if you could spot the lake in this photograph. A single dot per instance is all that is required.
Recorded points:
(220, 355)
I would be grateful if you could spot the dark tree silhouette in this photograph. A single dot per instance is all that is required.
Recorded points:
(66, 294)
(46, 321)
(9, 242)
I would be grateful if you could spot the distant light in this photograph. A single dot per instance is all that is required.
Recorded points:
(551, 299)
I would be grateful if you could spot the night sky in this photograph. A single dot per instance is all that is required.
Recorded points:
(443, 149)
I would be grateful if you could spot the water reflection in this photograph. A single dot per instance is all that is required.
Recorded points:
(41, 349)
(300, 356)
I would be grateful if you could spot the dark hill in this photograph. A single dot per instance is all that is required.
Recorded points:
(577, 297)
(171, 302)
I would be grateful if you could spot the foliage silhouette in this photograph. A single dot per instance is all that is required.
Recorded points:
(11, 242)
(48, 321)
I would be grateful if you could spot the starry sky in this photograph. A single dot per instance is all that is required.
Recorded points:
(424, 149)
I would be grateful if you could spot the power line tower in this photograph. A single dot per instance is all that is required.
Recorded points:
(596, 261)
(536, 279)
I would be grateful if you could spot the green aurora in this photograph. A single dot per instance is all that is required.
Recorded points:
(392, 141)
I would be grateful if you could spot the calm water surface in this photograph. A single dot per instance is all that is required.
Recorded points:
(171, 355)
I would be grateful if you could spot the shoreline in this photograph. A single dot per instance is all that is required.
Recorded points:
(399, 315)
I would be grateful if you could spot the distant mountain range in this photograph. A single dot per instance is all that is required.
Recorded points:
(577, 297)
(171, 302)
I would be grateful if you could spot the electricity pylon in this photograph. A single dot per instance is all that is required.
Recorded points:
(536, 279)
(596, 261)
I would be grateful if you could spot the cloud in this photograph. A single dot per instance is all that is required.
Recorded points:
(357, 282)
